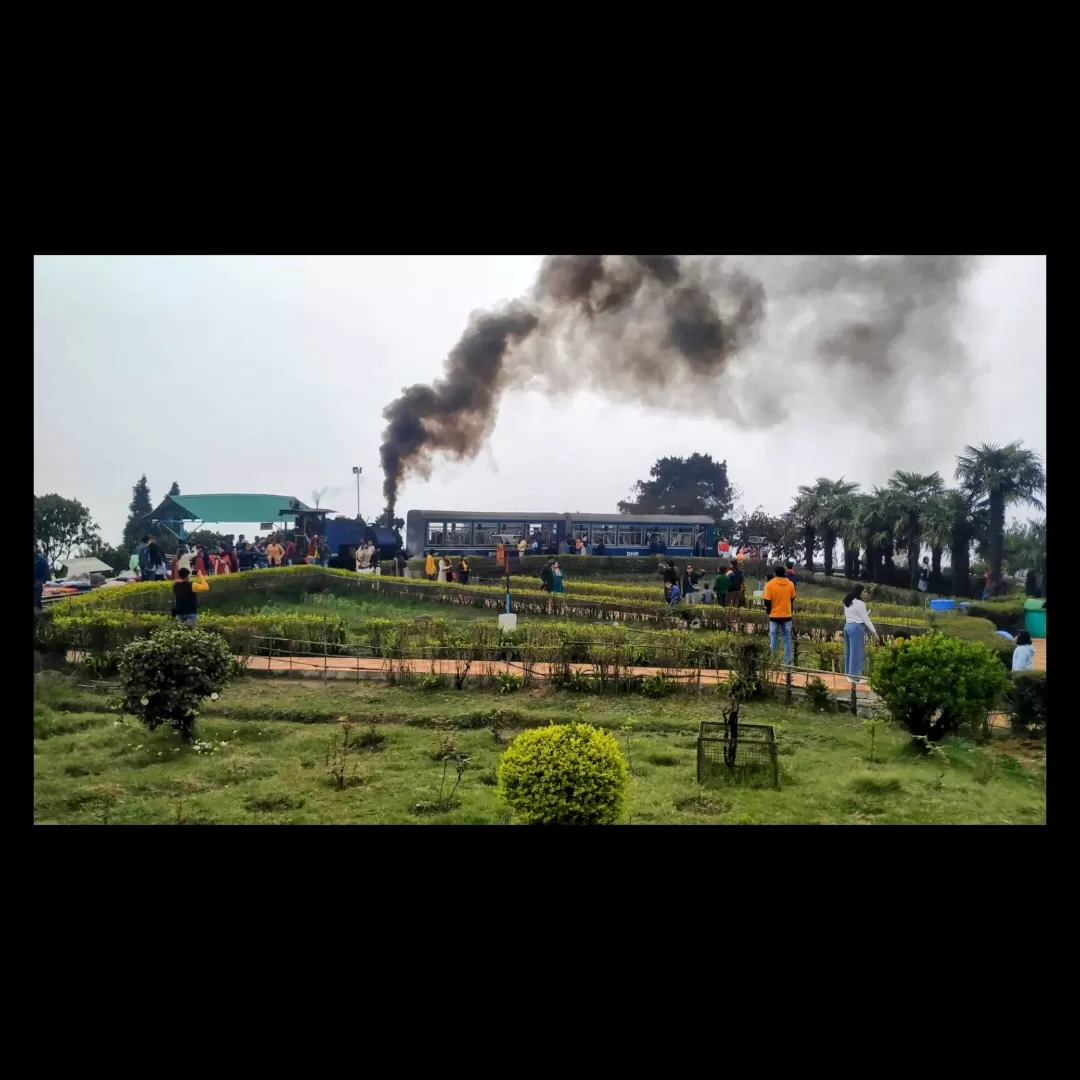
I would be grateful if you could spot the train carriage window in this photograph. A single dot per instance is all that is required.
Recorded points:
(656, 535)
(485, 533)
(580, 532)
(435, 533)
(458, 534)
(603, 534)
(512, 528)
(630, 535)
(681, 537)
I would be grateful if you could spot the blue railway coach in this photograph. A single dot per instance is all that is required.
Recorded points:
(469, 533)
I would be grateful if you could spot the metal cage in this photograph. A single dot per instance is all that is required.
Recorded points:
(724, 748)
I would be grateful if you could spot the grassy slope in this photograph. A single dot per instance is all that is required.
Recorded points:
(272, 771)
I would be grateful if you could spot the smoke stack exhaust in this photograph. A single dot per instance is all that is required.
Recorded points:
(667, 330)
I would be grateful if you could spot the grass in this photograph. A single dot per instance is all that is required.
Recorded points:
(272, 739)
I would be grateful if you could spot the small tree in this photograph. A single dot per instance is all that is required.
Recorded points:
(175, 489)
(568, 774)
(139, 507)
(165, 677)
(60, 526)
(933, 684)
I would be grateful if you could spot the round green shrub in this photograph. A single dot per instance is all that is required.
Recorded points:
(933, 684)
(164, 677)
(569, 774)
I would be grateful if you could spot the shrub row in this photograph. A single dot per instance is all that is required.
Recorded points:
(653, 593)
(96, 631)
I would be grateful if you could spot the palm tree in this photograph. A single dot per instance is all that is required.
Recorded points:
(807, 511)
(911, 492)
(840, 506)
(951, 522)
(877, 523)
(1002, 476)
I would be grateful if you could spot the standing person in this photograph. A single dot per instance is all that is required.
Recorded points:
(185, 605)
(224, 562)
(564, 547)
(275, 553)
(1023, 657)
(200, 562)
(146, 562)
(924, 575)
(689, 583)
(1031, 584)
(579, 546)
(779, 599)
(522, 547)
(671, 577)
(41, 575)
(986, 584)
(556, 579)
(722, 586)
(547, 576)
(737, 586)
(444, 568)
(245, 557)
(290, 552)
(157, 561)
(184, 558)
(789, 573)
(857, 625)
(429, 566)
(323, 551)
(463, 570)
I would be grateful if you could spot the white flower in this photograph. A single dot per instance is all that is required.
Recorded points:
(213, 697)
(144, 701)
(224, 743)
(159, 753)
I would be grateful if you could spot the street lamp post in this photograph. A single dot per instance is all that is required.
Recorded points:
(357, 470)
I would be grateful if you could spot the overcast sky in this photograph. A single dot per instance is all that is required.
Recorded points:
(270, 374)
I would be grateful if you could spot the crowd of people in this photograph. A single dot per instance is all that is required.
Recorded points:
(150, 564)
(441, 568)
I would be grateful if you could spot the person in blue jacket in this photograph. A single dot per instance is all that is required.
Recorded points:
(41, 575)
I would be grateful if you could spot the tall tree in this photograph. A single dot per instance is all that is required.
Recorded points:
(877, 524)
(807, 510)
(61, 525)
(682, 486)
(139, 507)
(912, 492)
(175, 489)
(1002, 476)
(837, 503)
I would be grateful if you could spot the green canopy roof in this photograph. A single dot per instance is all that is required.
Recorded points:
(238, 508)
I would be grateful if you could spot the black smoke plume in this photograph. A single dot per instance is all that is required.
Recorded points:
(666, 331)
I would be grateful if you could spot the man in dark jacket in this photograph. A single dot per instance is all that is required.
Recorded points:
(41, 575)
(185, 604)
(737, 590)
(547, 575)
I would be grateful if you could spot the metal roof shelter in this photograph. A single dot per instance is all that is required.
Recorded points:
(76, 567)
(210, 509)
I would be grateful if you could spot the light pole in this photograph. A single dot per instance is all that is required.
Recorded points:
(357, 470)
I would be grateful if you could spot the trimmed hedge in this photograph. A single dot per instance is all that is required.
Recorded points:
(98, 631)
(1006, 614)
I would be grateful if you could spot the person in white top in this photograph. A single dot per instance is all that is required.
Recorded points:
(857, 625)
(1023, 657)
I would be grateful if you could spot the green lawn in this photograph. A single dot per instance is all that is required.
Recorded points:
(271, 738)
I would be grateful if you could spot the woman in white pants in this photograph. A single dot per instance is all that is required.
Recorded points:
(857, 625)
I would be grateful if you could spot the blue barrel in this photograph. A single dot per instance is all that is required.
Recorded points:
(942, 605)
